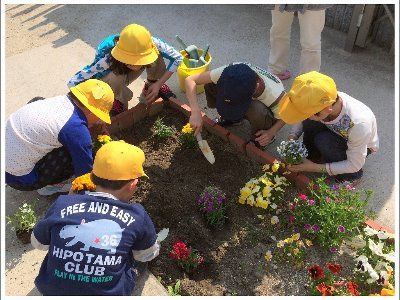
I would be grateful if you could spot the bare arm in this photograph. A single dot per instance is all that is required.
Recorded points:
(191, 82)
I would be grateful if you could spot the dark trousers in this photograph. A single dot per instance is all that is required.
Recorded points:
(257, 117)
(321, 142)
(55, 167)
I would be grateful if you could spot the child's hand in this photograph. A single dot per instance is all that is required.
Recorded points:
(264, 137)
(152, 92)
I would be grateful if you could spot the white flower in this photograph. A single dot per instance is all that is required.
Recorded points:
(274, 220)
(383, 235)
(274, 206)
(367, 268)
(389, 257)
(273, 238)
(369, 231)
(375, 248)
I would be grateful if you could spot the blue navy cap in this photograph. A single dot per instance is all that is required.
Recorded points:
(235, 89)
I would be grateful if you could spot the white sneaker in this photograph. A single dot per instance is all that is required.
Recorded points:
(54, 189)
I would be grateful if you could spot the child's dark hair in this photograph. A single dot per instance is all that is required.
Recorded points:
(109, 184)
(116, 66)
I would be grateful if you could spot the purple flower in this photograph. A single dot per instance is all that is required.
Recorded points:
(311, 202)
(335, 187)
(333, 249)
(315, 227)
(307, 227)
(341, 228)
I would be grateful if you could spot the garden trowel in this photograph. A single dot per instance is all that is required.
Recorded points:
(191, 50)
(203, 145)
(162, 235)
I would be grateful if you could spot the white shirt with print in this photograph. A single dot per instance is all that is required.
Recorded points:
(356, 123)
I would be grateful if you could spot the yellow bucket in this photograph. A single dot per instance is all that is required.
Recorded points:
(184, 71)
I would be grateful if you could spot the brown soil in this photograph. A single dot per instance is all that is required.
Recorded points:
(234, 254)
(24, 236)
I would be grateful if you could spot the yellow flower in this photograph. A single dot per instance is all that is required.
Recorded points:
(296, 251)
(187, 128)
(245, 192)
(280, 244)
(266, 191)
(104, 139)
(274, 220)
(266, 181)
(296, 236)
(83, 183)
(242, 200)
(387, 292)
(308, 243)
(250, 200)
(300, 243)
(255, 189)
(275, 167)
(268, 256)
(262, 203)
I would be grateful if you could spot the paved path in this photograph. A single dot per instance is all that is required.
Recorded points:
(47, 44)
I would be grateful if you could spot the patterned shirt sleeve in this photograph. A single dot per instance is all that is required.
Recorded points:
(168, 52)
(96, 70)
(100, 67)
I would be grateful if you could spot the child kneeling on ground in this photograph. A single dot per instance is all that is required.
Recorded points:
(92, 239)
(339, 130)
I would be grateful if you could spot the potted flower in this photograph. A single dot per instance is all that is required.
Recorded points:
(292, 151)
(23, 222)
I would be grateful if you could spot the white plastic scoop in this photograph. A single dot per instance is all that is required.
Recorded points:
(203, 145)
(162, 235)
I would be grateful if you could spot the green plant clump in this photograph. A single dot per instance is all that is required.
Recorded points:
(161, 130)
(24, 219)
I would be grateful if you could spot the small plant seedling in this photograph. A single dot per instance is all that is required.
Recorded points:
(24, 219)
(174, 290)
(161, 130)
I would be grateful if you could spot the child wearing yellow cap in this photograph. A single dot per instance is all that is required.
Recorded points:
(93, 239)
(339, 130)
(48, 140)
(121, 58)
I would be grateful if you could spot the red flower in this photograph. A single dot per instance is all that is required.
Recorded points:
(352, 288)
(316, 272)
(334, 268)
(324, 289)
(179, 251)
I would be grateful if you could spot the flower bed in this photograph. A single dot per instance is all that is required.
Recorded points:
(236, 260)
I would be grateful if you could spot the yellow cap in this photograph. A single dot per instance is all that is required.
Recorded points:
(118, 160)
(97, 96)
(310, 93)
(135, 46)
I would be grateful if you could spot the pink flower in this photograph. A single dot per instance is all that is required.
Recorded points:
(341, 228)
(292, 206)
(303, 197)
(311, 202)
(350, 187)
(328, 199)
(291, 219)
(333, 249)
(315, 227)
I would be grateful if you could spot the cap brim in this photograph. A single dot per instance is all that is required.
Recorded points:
(97, 112)
(289, 113)
(137, 60)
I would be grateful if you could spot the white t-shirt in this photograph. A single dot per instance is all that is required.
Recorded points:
(356, 123)
(273, 85)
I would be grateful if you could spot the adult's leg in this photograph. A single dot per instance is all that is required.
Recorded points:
(311, 25)
(279, 38)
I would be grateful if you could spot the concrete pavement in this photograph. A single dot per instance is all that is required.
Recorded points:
(47, 44)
